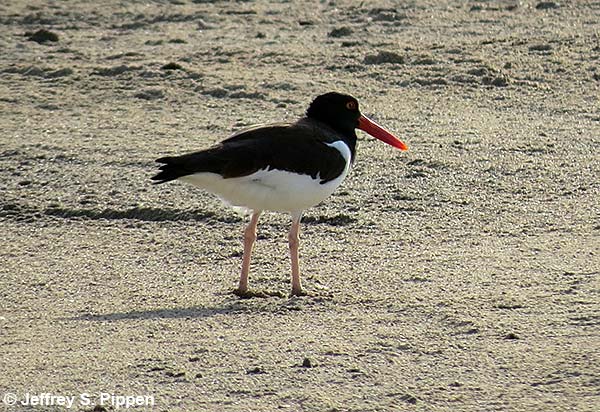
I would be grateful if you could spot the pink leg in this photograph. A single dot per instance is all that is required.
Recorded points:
(249, 238)
(294, 242)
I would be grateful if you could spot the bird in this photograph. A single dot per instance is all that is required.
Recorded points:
(280, 167)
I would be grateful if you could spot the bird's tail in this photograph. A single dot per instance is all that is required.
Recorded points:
(169, 170)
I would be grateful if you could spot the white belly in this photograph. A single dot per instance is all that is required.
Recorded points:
(275, 190)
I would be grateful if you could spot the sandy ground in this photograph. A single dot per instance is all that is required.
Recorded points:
(460, 276)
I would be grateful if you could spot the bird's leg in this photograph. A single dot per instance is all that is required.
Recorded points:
(294, 242)
(249, 238)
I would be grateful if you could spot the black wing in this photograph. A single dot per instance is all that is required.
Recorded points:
(298, 148)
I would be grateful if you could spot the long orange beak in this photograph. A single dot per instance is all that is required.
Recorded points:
(367, 125)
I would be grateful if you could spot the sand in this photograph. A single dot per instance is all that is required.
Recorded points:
(459, 276)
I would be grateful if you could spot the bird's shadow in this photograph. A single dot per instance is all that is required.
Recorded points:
(237, 306)
(192, 312)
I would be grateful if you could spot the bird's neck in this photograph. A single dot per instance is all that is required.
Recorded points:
(351, 142)
(331, 134)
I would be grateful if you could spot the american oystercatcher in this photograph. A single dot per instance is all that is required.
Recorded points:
(282, 167)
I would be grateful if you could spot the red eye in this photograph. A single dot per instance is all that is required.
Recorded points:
(351, 105)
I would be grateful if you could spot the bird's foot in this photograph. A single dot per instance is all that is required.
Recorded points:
(299, 292)
(249, 294)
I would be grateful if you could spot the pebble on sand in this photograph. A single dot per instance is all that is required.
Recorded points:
(42, 36)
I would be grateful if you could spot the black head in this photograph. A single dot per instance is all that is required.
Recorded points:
(338, 111)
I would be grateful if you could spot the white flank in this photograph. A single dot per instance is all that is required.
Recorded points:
(275, 190)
